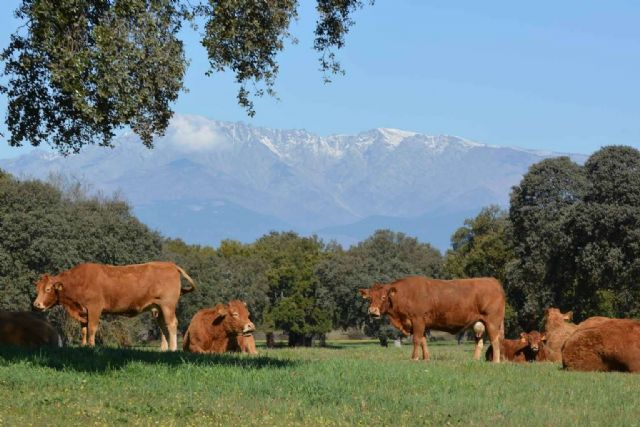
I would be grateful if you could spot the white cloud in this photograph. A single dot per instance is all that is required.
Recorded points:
(194, 133)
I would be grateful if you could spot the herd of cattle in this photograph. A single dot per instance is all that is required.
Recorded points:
(413, 305)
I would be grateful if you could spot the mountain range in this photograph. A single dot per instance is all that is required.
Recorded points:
(208, 180)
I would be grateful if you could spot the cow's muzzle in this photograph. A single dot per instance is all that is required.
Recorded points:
(374, 312)
(38, 306)
(248, 329)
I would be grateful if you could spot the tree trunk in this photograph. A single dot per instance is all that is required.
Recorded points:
(271, 340)
(295, 339)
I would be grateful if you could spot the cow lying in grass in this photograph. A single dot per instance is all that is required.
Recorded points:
(557, 328)
(529, 347)
(602, 344)
(225, 327)
(415, 303)
(25, 329)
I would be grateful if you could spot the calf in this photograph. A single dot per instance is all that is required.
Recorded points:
(528, 348)
(225, 327)
(604, 345)
(415, 303)
(25, 329)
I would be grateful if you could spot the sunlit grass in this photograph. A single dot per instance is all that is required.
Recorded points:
(345, 384)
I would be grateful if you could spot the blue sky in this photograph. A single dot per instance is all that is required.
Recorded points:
(556, 75)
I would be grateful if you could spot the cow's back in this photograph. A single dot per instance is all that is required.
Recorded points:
(122, 289)
(604, 345)
(449, 305)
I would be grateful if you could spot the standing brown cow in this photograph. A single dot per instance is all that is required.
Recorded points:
(557, 328)
(88, 290)
(25, 329)
(602, 344)
(225, 327)
(416, 303)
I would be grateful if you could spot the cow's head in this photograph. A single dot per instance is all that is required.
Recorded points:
(235, 317)
(47, 288)
(379, 297)
(554, 317)
(534, 340)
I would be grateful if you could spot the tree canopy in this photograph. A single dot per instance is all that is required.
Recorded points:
(79, 70)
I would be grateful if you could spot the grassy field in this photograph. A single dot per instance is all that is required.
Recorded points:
(345, 384)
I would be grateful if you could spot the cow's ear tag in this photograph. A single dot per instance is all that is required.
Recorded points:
(57, 286)
(523, 337)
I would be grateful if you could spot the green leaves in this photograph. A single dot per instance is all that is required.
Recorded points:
(83, 69)
(87, 68)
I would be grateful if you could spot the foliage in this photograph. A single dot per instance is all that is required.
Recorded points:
(344, 385)
(45, 230)
(79, 70)
(575, 233)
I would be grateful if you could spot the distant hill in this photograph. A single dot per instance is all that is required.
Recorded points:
(208, 180)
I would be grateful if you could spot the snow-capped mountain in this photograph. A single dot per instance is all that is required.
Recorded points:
(208, 180)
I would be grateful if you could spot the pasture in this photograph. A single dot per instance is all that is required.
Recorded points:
(348, 383)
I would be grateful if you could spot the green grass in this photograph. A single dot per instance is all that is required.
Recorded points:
(346, 384)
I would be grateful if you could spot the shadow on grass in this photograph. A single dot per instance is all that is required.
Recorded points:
(104, 359)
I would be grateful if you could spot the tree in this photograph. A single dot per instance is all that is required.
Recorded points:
(481, 248)
(539, 205)
(82, 69)
(297, 301)
(605, 233)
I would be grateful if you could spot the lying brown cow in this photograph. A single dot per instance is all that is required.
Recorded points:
(25, 329)
(557, 328)
(225, 327)
(416, 303)
(604, 345)
(88, 290)
(528, 348)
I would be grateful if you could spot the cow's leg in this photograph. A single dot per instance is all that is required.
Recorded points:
(164, 332)
(83, 331)
(171, 323)
(419, 341)
(478, 329)
(494, 336)
(92, 326)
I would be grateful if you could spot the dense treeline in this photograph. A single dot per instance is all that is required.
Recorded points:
(571, 238)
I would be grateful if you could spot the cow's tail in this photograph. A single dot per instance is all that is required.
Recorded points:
(502, 330)
(189, 279)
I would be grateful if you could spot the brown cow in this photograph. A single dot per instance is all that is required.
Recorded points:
(88, 290)
(416, 303)
(603, 345)
(528, 348)
(225, 327)
(557, 328)
(26, 329)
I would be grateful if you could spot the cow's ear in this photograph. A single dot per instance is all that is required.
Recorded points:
(219, 315)
(364, 293)
(568, 316)
(523, 337)
(543, 337)
(392, 291)
(57, 286)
